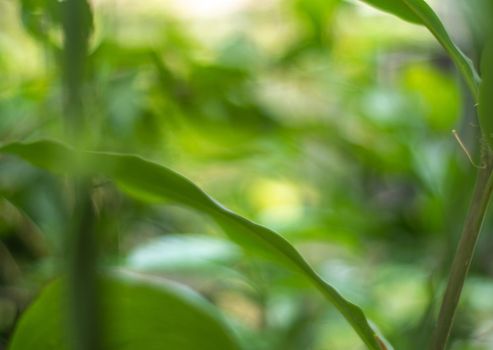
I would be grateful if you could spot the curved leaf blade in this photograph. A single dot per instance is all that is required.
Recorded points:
(397, 8)
(138, 315)
(151, 181)
(419, 12)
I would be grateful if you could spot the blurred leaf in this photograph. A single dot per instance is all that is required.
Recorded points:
(42, 19)
(486, 92)
(137, 314)
(178, 251)
(39, 17)
(152, 181)
(419, 12)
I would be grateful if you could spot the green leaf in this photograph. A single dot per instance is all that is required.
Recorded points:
(137, 315)
(183, 252)
(485, 106)
(151, 181)
(397, 8)
(419, 12)
(39, 16)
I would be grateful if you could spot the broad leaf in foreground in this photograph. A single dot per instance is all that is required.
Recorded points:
(151, 181)
(137, 315)
(419, 12)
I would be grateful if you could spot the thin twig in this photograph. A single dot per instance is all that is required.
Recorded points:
(464, 148)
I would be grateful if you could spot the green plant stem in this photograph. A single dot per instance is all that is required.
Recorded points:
(82, 264)
(81, 246)
(76, 27)
(464, 254)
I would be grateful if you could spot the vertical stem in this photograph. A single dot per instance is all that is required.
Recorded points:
(76, 28)
(463, 256)
(82, 264)
(81, 241)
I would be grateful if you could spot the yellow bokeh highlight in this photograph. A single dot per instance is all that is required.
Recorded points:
(278, 202)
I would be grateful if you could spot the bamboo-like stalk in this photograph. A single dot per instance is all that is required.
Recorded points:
(82, 286)
(81, 268)
(464, 254)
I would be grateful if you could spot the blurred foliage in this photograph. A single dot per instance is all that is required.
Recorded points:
(136, 315)
(325, 120)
